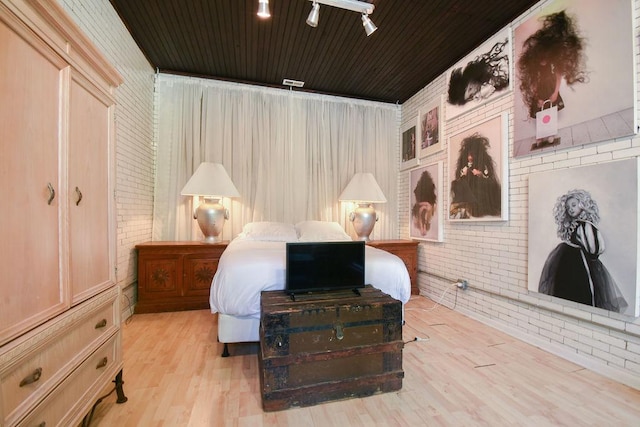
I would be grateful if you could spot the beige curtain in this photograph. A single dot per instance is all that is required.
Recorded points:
(290, 154)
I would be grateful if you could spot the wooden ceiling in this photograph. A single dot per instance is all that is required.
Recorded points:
(416, 41)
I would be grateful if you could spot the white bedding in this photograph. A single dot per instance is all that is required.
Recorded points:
(248, 267)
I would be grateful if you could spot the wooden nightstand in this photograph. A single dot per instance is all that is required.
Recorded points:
(407, 250)
(174, 276)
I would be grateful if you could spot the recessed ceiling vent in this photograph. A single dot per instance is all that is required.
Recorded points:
(292, 83)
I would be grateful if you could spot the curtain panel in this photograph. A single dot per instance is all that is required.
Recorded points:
(290, 154)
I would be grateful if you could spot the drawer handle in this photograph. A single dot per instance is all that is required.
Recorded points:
(42, 424)
(102, 363)
(30, 379)
(101, 324)
(339, 331)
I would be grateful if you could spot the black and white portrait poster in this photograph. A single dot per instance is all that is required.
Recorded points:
(425, 203)
(478, 171)
(583, 235)
(574, 75)
(482, 76)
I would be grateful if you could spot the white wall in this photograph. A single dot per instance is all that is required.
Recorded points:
(493, 257)
(135, 151)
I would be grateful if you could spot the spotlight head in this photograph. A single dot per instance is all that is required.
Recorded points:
(369, 26)
(263, 9)
(314, 15)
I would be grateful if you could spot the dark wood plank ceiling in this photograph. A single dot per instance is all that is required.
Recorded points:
(416, 41)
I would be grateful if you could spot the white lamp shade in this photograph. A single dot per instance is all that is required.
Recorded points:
(210, 180)
(363, 188)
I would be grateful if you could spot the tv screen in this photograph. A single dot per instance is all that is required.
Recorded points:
(322, 266)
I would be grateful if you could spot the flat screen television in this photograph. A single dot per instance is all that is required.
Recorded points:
(324, 266)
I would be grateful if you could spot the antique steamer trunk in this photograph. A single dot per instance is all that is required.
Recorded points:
(328, 346)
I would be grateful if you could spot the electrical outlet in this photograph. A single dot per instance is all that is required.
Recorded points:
(462, 284)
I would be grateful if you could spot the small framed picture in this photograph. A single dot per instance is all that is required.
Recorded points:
(409, 155)
(430, 128)
(478, 172)
(425, 202)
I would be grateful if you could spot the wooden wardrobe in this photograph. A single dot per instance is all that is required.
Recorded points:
(60, 346)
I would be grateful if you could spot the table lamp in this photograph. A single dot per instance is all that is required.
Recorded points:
(364, 191)
(211, 182)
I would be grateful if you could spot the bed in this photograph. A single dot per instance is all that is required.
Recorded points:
(255, 261)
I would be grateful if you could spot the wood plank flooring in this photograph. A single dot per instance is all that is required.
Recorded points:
(463, 374)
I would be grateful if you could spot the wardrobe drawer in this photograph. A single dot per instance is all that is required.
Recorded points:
(81, 388)
(45, 364)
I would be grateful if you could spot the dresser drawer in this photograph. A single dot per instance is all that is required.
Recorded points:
(77, 394)
(38, 368)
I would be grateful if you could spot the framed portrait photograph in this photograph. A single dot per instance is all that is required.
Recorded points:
(482, 76)
(583, 235)
(430, 128)
(409, 154)
(478, 173)
(575, 90)
(425, 202)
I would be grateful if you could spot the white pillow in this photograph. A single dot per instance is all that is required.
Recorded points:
(321, 231)
(269, 231)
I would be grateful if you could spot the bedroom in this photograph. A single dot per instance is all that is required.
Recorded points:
(498, 294)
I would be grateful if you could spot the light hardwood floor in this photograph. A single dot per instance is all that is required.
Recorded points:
(463, 374)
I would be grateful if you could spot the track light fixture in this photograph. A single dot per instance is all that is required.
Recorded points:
(263, 9)
(369, 26)
(314, 15)
(362, 7)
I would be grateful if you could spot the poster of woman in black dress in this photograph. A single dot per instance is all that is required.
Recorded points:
(573, 270)
(476, 170)
(584, 235)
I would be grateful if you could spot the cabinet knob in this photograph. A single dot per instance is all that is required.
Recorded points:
(102, 363)
(31, 378)
(101, 324)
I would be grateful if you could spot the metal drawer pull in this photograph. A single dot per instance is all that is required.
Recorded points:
(32, 378)
(339, 331)
(52, 193)
(102, 363)
(101, 324)
(79, 194)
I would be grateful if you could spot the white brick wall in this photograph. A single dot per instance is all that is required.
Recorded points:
(135, 151)
(493, 258)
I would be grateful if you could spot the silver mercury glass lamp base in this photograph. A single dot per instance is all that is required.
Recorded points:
(363, 219)
(211, 216)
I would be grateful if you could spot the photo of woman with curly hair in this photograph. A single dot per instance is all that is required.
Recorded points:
(553, 53)
(478, 172)
(574, 79)
(426, 222)
(484, 75)
(584, 235)
(573, 269)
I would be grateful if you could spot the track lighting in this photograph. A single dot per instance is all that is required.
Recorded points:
(369, 26)
(314, 15)
(362, 7)
(263, 9)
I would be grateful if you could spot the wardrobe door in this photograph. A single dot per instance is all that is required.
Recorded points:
(90, 192)
(32, 81)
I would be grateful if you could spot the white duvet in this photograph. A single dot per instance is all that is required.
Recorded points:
(248, 267)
